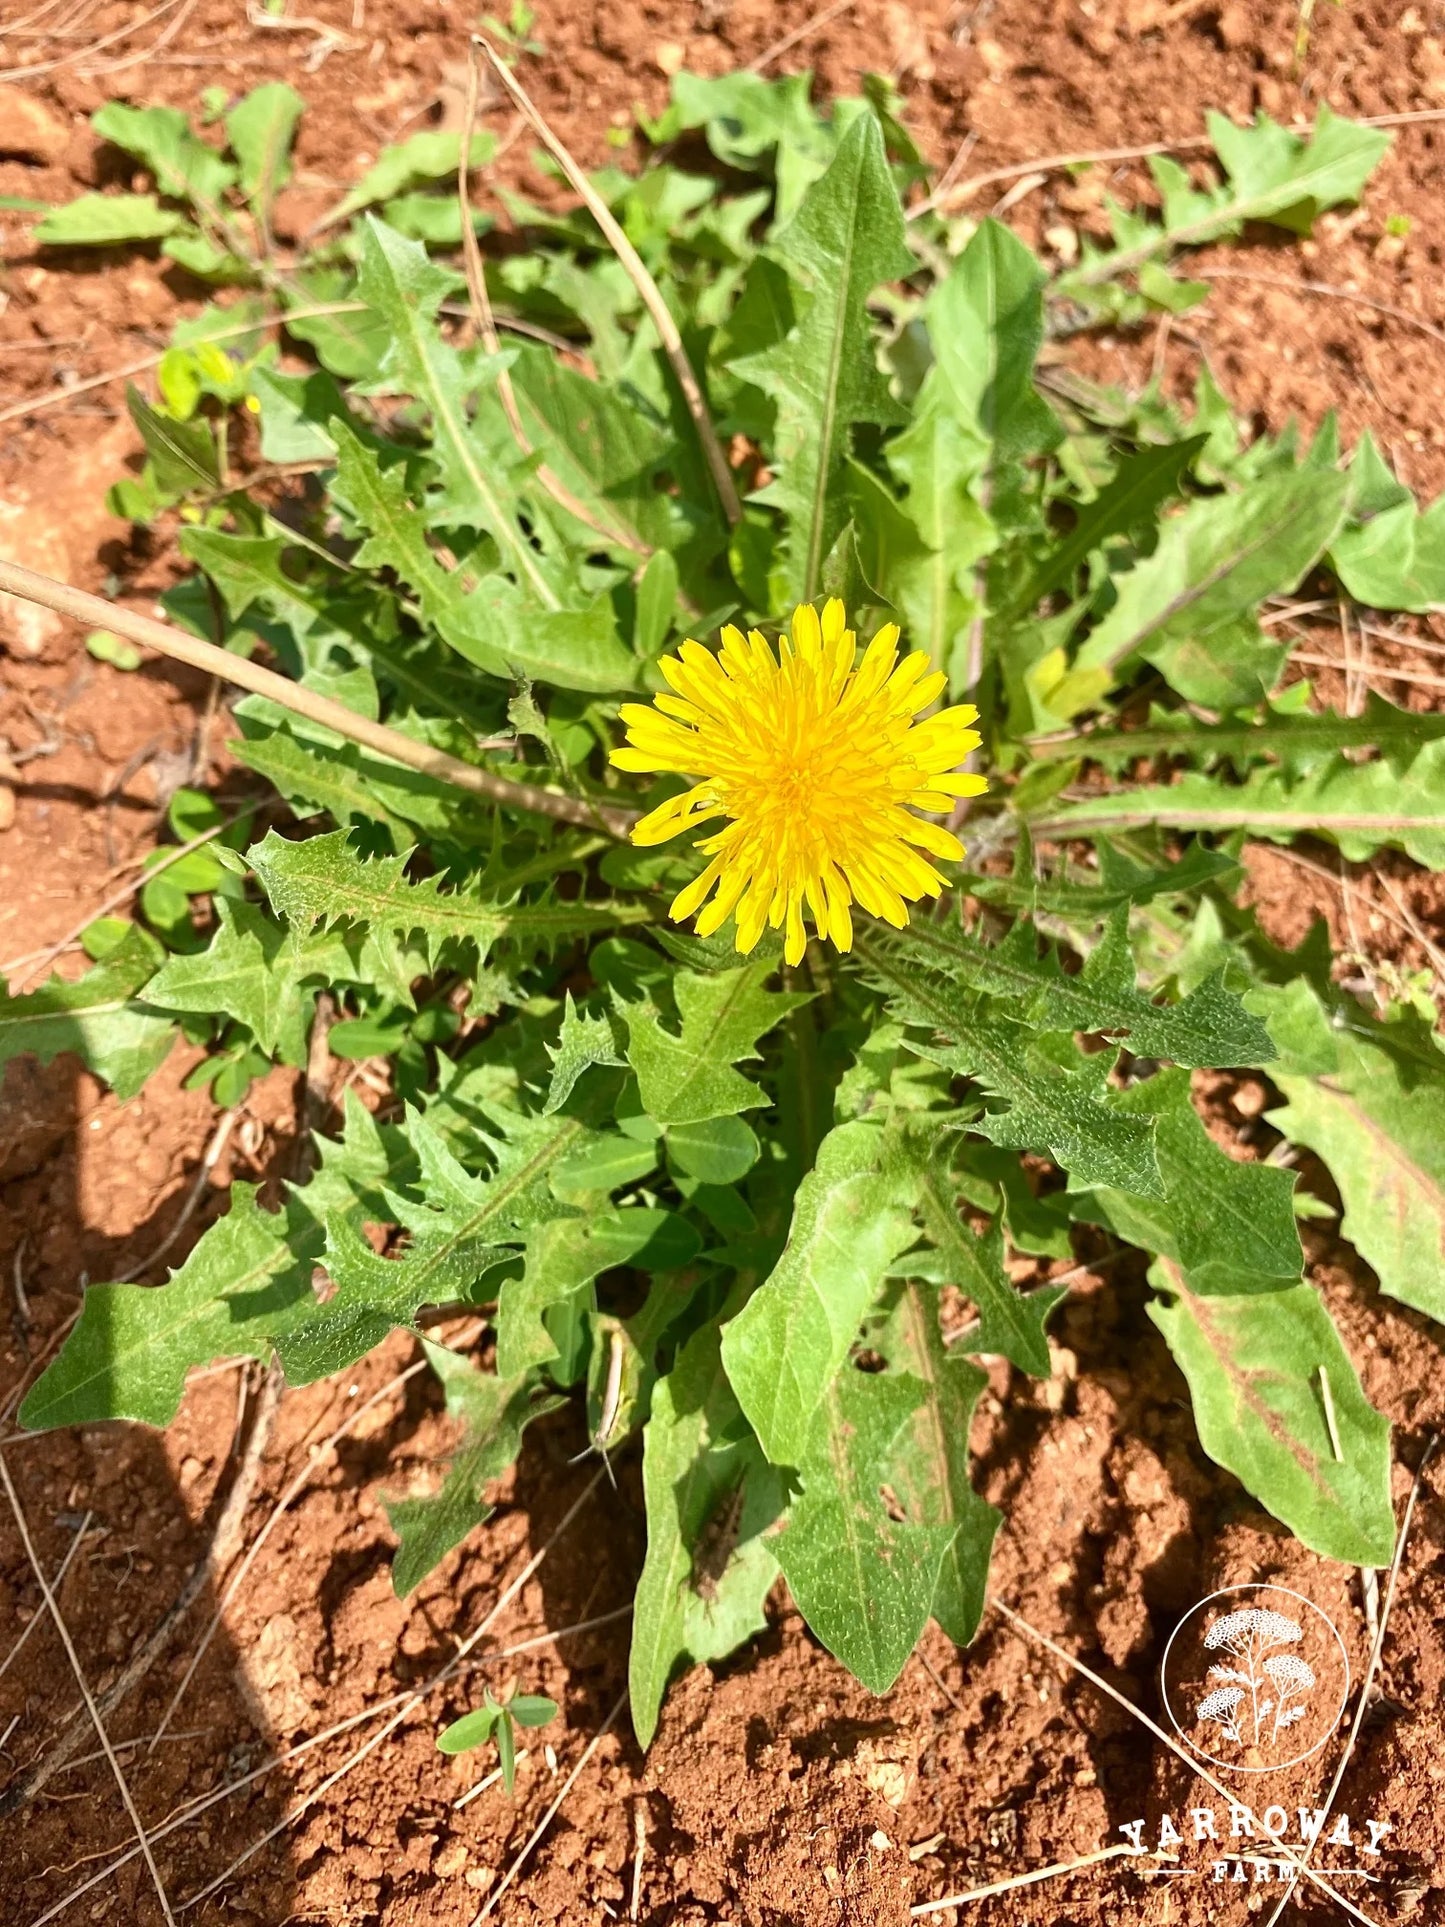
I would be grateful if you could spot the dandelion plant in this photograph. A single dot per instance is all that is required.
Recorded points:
(769, 1198)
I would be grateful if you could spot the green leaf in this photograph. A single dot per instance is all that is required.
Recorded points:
(564, 1255)
(183, 454)
(1376, 1116)
(97, 1018)
(1389, 555)
(405, 287)
(688, 1077)
(934, 1487)
(1189, 607)
(1010, 1322)
(602, 445)
(247, 570)
(1297, 741)
(107, 220)
(1229, 1224)
(1210, 1027)
(251, 969)
(922, 553)
(185, 168)
(1131, 498)
(845, 238)
(756, 125)
(986, 323)
(343, 781)
(414, 162)
(1255, 1367)
(490, 623)
(708, 1494)
(495, 1412)
(1276, 175)
(852, 1218)
(864, 1581)
(348, 345)
(324, 880)
(607, 1160)
(717, 1150)
(471, 1730)
(262, 126)
(532, 1709)
(1054, 1105)
(248, 1280)
(462, 1226)
(584, 1040)
(1362, 807)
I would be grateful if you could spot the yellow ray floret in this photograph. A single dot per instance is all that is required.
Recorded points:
(814, 758)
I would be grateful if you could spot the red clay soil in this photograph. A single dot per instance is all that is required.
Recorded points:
(778, 1793)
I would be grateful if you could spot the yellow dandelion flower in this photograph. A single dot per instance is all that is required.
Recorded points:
(819, 766)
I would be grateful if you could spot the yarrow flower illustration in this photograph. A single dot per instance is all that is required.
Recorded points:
(816, 760)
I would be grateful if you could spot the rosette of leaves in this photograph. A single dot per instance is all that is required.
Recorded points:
(758, 1219)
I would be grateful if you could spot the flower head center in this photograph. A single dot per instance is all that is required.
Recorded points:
(818, 760)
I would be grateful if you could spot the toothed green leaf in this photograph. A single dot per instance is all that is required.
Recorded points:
(864, 1580)
(1209, 1027)
(246, 1283)
(1257, 1369)
(845, 238)
(495, 1412)
(1373, 1108)
(686, 1076)
(100, 1018)
(1057, 1101)
(459, 1228)
(1362, 807)
(324, 880)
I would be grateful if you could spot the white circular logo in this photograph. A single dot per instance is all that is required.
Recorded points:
(1255, 1678)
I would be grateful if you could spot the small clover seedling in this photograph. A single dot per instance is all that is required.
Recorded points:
(502, 1717)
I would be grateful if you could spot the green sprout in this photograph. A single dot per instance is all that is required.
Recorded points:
(516, 33)
(502, 1718)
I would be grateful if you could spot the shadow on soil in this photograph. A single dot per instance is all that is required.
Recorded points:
(106, 1507)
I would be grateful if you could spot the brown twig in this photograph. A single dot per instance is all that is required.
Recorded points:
(90, 1706)
(1190, 144)
(805, 32)
(1212, 1780)
(162, 40)
(217, 1554)
(639, 1855)
(486, 326)
(301, 701)
(1324, 289)
(1029, 1879)
(55, 1585)
(1404, 921)
(1381, 671)
(91, 47)
(636, 270)
(1408, 921)
(288, 1497)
